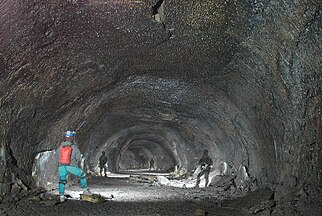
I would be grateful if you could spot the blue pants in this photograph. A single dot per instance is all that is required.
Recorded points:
(63, 172)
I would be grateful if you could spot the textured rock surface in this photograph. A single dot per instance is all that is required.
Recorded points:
(240, 78)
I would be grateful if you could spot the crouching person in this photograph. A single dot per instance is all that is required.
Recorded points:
(69, 158)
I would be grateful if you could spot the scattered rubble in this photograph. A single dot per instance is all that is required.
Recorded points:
(131, 198)
(44, 197)
(240, 179)
(200, 212)
(144, 178)
(94, 198)
(225, 182)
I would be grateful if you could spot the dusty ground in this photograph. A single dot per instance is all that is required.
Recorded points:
(133, 198)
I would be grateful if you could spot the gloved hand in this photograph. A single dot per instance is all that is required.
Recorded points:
(204, 166)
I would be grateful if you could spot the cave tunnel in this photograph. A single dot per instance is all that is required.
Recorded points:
(164, 80)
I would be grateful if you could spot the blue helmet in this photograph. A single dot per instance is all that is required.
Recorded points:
(70, 133)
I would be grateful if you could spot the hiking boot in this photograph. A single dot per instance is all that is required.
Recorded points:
(87, 192)
(62, 198)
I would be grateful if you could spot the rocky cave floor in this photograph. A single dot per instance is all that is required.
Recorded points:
(133, 197)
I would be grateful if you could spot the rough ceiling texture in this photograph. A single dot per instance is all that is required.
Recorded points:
(173, 77)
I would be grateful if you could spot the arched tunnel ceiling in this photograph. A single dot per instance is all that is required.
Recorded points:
(239, 78)
(172, 111)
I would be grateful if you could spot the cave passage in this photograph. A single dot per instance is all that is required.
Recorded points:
(155, 83)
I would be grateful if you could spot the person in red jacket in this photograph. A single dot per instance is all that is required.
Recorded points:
(69, 158)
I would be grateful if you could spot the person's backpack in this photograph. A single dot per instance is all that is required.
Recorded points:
(65, 153)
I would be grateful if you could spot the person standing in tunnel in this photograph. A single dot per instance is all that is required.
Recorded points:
(102, 164)
(151, 164)
(205, 162)
(69, 158)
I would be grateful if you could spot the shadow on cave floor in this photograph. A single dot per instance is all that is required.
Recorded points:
(136, 198)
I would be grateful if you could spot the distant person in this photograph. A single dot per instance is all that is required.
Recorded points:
(205, 162)
(151, 164)
(102, 164)
(142, 161)
(69, 159)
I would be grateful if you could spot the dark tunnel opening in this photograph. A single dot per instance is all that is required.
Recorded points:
(240, 79)
(140, 153)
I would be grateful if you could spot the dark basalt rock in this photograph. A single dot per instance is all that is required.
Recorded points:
(239, 78)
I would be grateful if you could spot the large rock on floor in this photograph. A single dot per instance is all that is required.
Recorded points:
(94, 198)
(225, 181)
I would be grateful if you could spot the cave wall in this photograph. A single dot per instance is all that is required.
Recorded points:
(279, 59)
(241, 79)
